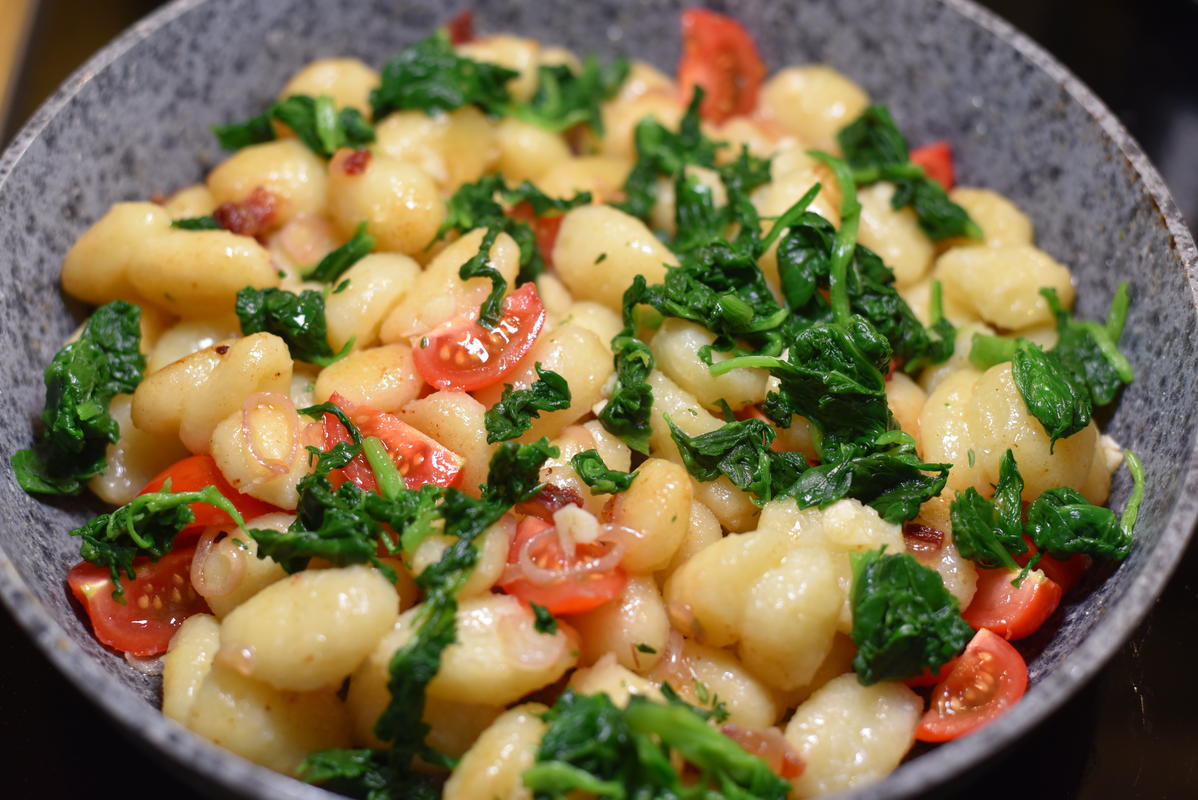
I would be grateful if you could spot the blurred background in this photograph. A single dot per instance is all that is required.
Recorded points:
(1131, 733)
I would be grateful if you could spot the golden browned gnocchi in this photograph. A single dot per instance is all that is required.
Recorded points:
(440, 458)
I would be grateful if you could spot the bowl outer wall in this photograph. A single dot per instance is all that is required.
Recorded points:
(1033, 133)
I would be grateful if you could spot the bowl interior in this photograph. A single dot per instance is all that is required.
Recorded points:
(136, 121)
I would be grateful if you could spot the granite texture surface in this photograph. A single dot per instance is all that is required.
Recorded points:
(135, 120)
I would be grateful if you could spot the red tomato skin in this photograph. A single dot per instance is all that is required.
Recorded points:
(719, 55)
(461, 28)
(522, 321)
(358, 470)
(131, 628)
(436, 464)
(543, 228)
(1002, 662)
(1011, 612)
(1067, 573)
(559, 599)
(929, 678)
(194, 473)
(937, 160)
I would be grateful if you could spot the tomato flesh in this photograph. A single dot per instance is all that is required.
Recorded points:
(156, 603)
(543, 228)
(1009, 611)
(194, 473)
(937, 160)
(569, 595)
(988, 678)
(719, 55)
(461, 355)
(420, 459)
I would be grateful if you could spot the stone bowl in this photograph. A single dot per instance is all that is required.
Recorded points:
(134, 120)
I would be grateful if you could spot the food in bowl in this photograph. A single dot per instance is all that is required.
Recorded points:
(526, 440)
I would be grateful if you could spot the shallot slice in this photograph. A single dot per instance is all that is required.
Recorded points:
(210, 579)
(534, 572)
(258, 403)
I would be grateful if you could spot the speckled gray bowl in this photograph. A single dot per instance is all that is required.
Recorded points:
(135, 120)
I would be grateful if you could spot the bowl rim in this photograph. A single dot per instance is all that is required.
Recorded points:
(214, 765)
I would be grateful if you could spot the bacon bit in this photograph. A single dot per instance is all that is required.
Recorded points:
(768, 744)
(461, 28)
(922, 541)
(551, 498)
(355, 162)
(253, 216)
(160, 198)
(221, 349)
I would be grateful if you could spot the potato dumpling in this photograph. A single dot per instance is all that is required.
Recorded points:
(813, 102)
(621, 243)
(498, 657)
(397, 200)
(277, 729)
(1001, 285)
(347, 80)
(850, 735)
(310, 630)
(493, 767)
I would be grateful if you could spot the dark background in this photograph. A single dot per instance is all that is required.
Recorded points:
(1131, 733)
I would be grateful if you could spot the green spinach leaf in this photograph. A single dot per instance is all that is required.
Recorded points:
(565, 97)
(145, 526)
(429, 76)
(990, 534)
(315, 120)
(904, 620)
(338, 262)
(876, 150)
(512, 416)
(81, 381)
(297, 319)
(594, 473)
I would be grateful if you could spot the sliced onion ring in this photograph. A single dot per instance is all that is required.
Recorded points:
(206, 584)
(256, 402)
(543, 576)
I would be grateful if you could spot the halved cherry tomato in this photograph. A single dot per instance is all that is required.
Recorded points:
(543, 228)
(989, 677)
(569, 594)
(156, 602)
(1067, 573)
(719, 55)
(194, 473)
(1012, 612)
(461, 28)
(937, 160)
(420, 459)
(462, 355)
